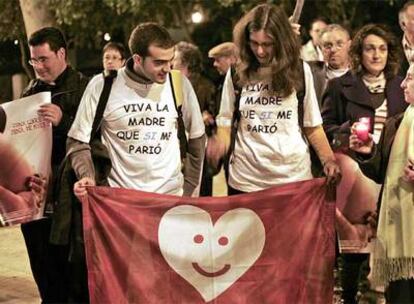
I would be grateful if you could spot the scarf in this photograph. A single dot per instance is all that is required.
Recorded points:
(375, 84)
(335, 73)
(393, 254)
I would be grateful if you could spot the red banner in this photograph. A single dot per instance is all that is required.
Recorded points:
(272, 246)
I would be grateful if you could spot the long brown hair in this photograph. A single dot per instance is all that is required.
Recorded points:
(285, 64)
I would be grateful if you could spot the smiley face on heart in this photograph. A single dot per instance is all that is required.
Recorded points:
(210, 257)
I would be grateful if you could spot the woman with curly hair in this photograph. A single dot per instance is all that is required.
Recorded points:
(268, 146)
(370, 89)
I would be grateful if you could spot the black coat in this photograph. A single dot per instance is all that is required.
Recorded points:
(66, 93)
(346, 99)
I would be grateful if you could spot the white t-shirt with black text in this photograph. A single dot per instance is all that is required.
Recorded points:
(269, 148)
(139, 128)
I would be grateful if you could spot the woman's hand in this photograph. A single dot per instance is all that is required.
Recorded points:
(357, 145)
(332, 172)
(409, 171)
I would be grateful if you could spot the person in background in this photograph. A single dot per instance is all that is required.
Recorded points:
(334, 42)
(113, 56)
(406, 21)
(311, 51)
(370, 89)
(188, 60)
(391, 163)
(225, 55)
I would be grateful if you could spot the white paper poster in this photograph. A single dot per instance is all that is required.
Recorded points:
(25, 150)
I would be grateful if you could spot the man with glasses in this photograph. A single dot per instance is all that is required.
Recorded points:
(114, 56)
(48, 56)
(335, 42)
(141, 124)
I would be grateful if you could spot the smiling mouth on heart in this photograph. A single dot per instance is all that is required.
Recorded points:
(211, 274)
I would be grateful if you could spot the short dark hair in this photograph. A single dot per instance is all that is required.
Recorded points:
(191, 56)
(394, 50)
(51, 35)
(146, 34)
(115, 46)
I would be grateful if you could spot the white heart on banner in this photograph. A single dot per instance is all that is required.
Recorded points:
(210, 257)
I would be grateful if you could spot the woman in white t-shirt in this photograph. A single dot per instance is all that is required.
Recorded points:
(269, 147)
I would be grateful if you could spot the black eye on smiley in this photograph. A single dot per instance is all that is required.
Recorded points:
(223, 241)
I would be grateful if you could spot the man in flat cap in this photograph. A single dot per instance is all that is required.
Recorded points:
(225, 55)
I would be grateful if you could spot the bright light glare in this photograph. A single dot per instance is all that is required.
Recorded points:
(16, 42)
(197, 17)
(107, 37)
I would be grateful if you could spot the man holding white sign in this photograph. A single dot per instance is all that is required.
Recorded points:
(48, 56)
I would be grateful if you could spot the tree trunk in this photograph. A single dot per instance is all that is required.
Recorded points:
(36, 15)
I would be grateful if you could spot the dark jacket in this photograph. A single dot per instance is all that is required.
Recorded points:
(66, 93)
(375, 165)
(346, 99)
(205, 91)
(318, 69)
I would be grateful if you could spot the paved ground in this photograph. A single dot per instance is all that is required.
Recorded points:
(16, 282)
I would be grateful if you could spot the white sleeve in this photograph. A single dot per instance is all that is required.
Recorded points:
(312, 114)
(228, 98)
(82, 125)
(193, 120)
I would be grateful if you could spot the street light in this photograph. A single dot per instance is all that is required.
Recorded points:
(107, 37)
(197, 17)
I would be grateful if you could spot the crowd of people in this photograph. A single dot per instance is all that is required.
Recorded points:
(170, 132)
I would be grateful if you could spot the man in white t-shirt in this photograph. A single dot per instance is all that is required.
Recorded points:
(140, 123)
(269, 148)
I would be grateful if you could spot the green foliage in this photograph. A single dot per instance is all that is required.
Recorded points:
(86, 21)
(11, 20)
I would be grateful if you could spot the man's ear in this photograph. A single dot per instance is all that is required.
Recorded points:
(137, 59)
(61, 52)
(403, 26)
